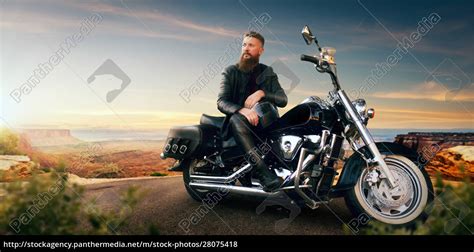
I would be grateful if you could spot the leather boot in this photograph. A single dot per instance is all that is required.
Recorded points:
(243, 133)
(269, 180)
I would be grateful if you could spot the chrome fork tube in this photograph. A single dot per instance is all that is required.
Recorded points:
(366, 137)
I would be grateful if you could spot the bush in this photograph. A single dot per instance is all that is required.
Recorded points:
(48, 205)
(109, 170)
(158, 174)
(8, 142)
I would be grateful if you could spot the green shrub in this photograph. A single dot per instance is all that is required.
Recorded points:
(48, 205)
(158, 174)
(109, 170)
(8, 142)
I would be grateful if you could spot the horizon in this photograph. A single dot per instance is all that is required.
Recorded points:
(105, 135)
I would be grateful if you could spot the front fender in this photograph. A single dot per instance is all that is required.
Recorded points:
(355, 163)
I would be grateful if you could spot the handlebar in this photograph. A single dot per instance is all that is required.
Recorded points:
(312, 59)
(323, 67)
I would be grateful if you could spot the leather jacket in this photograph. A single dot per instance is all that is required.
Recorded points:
(231, 97)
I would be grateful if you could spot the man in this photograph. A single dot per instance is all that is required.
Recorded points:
(242, 86)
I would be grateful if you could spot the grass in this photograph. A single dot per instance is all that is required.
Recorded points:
(158, 174)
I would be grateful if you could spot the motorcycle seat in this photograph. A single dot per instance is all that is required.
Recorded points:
(216, 121)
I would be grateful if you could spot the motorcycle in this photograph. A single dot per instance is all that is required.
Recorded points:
(385, 181)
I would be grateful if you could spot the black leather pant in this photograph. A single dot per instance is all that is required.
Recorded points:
(246, 135)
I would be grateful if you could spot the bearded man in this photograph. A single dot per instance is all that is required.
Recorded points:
(242, 86)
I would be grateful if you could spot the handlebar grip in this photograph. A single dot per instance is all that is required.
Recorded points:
(311, 59)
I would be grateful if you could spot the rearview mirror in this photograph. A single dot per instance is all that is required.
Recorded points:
(307, 35)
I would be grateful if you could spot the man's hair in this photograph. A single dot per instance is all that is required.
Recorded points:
(256, 35)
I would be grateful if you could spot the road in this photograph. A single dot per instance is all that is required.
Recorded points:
(167, 206)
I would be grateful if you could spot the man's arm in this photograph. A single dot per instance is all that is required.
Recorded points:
(224, 98)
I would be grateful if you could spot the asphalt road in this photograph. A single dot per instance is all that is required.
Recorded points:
(167, 206)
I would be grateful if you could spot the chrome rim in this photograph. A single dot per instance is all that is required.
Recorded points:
(395, 204)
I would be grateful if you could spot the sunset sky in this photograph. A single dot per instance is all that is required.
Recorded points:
(165, 47)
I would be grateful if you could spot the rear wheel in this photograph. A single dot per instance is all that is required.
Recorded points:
(190, 168)
(400, 206)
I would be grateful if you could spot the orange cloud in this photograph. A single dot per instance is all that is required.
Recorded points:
(399, 118)
(153, 15)
(427, 91)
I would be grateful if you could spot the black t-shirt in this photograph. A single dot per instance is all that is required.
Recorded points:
(252, 86)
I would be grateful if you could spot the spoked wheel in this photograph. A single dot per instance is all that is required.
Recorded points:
(398, 206)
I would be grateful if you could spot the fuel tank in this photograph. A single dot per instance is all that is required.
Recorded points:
(307, 118)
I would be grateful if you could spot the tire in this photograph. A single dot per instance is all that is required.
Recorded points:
(402, 208)
(197, 194)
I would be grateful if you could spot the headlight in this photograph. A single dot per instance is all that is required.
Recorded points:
(360, 107)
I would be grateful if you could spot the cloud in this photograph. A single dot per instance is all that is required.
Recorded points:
(153, 15)
(26, 20)
(402, 118)
(132, 119)
(368, 36)
(427, 91)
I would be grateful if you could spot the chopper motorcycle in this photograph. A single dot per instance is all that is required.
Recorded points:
(383, 180)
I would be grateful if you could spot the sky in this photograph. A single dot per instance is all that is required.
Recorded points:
(173, 53)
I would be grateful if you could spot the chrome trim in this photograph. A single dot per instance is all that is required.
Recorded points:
(322, 103)
(301, 163)
(282, 172)
(289, 145)
(313, 138)
(366, 136)
(257, 184)
(227, 179)
(308, 159)
(370, 113)
(235, 189)
(293, 187)
(309, 202)
(241, 189)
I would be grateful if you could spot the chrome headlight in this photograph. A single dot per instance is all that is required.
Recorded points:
(361, 107)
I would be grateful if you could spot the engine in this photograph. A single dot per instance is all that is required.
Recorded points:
(290, 144)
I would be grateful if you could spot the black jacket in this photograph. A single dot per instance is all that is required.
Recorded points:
(231, 97)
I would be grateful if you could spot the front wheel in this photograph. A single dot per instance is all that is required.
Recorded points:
(399, 206)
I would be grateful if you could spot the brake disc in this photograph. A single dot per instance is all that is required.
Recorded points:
(395, 197)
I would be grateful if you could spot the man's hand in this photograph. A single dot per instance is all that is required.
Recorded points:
(251, 116)
(254, 98)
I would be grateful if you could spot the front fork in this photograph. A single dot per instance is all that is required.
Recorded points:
(367, 138)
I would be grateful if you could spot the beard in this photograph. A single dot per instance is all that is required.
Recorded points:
(246, 64)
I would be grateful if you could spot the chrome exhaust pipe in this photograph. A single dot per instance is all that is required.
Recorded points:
(227, 179)
(250, 191)
(234, 189)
